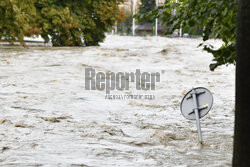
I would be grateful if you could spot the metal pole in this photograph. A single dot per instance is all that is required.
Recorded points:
(180, 31)
(156, 27)
(133, 28)
(156, 21)
(197, 116)
(116, 27)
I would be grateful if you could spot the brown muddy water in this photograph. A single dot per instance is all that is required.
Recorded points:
(47, 118)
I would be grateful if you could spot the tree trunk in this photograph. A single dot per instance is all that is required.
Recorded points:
(241, 155)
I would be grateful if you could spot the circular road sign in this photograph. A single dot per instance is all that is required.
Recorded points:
(204, 102)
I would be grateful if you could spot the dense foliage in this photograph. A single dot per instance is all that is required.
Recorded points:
(217, 17)
(146, 7)
(64, 22)
(17, 19)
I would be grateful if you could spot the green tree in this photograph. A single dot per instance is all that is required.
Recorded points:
(71, 22)
(146, 7)
(17, 19)
(217, 17)
(64, 22)
(242, 114)
(57, 22)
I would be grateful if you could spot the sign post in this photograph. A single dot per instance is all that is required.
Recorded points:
(195, 105)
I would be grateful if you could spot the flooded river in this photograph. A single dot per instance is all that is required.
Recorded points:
(47, 118)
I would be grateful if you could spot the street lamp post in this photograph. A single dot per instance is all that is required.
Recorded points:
(133, 23)
(180, 30)
(158, 3)
(156, 21)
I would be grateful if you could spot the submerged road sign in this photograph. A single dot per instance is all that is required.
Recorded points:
(196, 104)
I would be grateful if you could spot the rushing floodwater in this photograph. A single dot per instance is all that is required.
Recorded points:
(47, 118)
